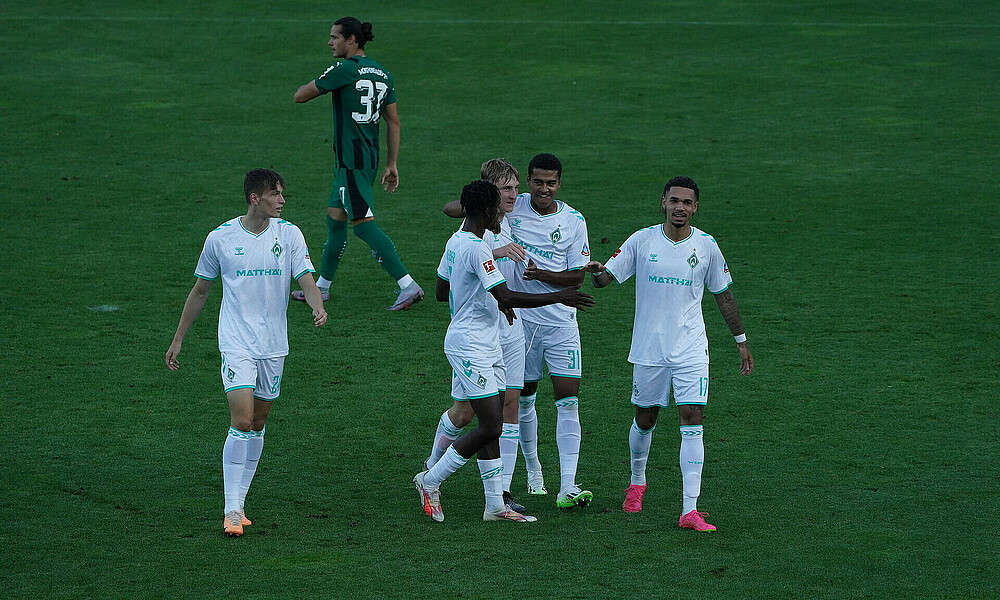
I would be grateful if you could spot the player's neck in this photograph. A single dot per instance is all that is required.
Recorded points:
(548, 210)
(475, 228)
(254, 222)
(359, 52)
(676, 234)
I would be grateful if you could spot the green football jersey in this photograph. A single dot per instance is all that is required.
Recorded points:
(361, 88)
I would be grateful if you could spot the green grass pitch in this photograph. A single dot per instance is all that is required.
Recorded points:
(847, 155)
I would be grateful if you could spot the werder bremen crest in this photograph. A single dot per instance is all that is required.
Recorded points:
(556, 235)
(481, 382)
(276, 249)
(693, 259)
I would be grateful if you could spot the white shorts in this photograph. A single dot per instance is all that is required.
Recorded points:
(476, 377)
(262, 375)
(651, 385)
(558, 348)
(513, 360)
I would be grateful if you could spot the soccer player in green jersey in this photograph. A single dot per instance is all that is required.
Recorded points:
(363, 95)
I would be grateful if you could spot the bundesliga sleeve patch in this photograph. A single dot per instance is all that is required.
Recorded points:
(488, 266)
(617, 252)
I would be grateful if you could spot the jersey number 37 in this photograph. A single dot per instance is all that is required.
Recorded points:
(372, 95)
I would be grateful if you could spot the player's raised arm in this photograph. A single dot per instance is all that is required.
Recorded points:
(731, 313)
(192, 308)
(570, 296)
(599, 275)
(307, 92)
(560, 278)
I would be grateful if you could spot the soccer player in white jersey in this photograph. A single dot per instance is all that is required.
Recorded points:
(555, 238)
(256, 256)
(475, 290)
(673, 263)
(509, 257)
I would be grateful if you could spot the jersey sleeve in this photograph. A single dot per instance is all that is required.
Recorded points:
(621, 265)
(337, 76)
(444, 269)
(301, 263)
(578, 253)
(208, 263)
(717, 279)
(487, 271)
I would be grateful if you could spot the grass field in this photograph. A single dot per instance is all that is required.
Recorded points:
(847, 156)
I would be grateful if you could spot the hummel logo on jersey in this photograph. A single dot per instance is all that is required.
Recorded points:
(693, 260)
(276, 249)
(488, 266)
(556, 235)
(467, 367)
(516, 223)
(652, 258)
(239, 252)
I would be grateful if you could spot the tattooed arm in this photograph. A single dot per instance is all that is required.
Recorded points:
(731, 313)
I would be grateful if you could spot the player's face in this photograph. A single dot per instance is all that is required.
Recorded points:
(271, 201)
(543, 185)
(679, 205)
(338, 45)
(508, 193)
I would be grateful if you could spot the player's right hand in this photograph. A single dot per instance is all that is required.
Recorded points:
(593, 266)
(319, 317)
(390, 179)
(572, 296)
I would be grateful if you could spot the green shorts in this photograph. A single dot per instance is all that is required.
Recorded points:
(352, 192)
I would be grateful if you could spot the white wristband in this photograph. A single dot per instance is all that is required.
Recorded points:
(740, 338)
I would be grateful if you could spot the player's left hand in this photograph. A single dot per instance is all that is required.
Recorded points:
(509, 313)
(531, 271)
(319, 317)
(513, 251)
(746, 359)
(390, 179)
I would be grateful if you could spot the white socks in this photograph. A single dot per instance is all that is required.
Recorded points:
(638, 443)
(404, 282)
(568, 432)
(692, 459)
(446, 434)
(528, 421)
(508, 451)
(255, 445)
(323, 283)
(491, 472)
(449, 463)
(234, 458)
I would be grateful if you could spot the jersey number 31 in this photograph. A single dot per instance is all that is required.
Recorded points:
(372, 95)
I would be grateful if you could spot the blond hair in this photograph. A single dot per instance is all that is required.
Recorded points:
(498, 170)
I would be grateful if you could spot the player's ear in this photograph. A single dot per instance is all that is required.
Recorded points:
(254, 198)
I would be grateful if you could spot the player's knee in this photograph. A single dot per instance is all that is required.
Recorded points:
(242, 423)
(691, 414)
(461, 414)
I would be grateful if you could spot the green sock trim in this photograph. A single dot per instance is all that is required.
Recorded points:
(382, 248)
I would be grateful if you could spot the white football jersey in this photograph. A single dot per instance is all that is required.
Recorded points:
(467, 265)
(256, 271)
(670, 278)
(556, 242)
(510, 270)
